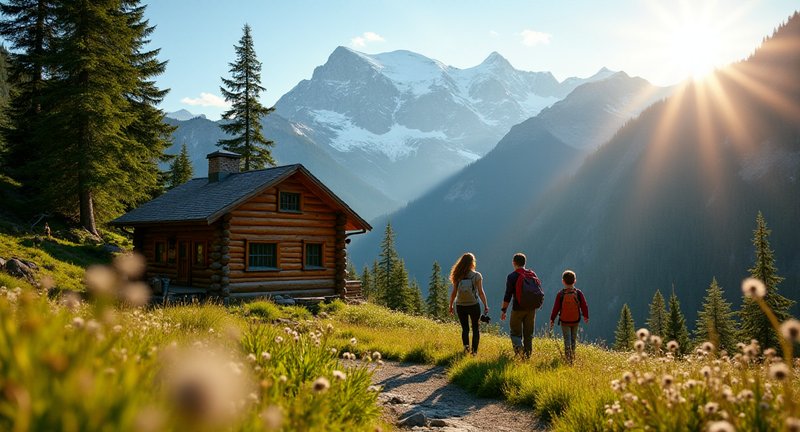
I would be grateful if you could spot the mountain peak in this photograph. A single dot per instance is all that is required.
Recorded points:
(183, 115)
(497, 60)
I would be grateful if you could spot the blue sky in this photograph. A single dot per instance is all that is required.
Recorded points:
(663, 41)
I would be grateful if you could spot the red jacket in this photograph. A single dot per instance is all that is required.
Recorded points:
(557, 305)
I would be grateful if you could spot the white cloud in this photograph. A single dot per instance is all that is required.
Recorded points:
(533, 38)
(206, 100)
(494, 34)
(367, 37)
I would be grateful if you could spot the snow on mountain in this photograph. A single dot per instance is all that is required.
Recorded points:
(404, 122)
(183, 115)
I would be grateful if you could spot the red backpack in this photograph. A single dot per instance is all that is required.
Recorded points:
(570, 307)
(529, 292)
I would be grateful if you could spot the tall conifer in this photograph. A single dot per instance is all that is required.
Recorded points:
(675, 329)
(755, 324)
(366, 283)
(242, 91)
(715, 322)
(657, 321)
(387, 261)
(180, 171)
(625, 335)
(437, 304)
(416, 304)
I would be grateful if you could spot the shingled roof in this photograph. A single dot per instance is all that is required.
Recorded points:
(199, 200)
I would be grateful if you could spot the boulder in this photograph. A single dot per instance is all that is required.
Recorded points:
(416, 419)
(31, 265)
(111, 248)
(19, 269)
(438, 423)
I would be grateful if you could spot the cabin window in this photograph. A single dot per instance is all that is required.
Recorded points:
(290, 202)
(160, 253)
(313, 255)
(262, 256)
(200, 254)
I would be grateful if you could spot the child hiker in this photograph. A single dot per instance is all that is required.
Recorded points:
(569, 305)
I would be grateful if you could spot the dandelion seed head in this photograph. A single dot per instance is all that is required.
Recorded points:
(673, 346)
(135, 294)
(266, 356)
(131, 265)
(283, 379)
(754, 288)
(792, 424)
(339, 375)
(272, 418)
(376, 355)
(321, 384)
(278, 339)
(627, 377)
(643, 334)
(101, 280)
(639, 345)
(779, 371)
(656, 341)
(667, 380)
(707, 347)
(790, 330)
(711, 407)
(721, 426)
(353, 341)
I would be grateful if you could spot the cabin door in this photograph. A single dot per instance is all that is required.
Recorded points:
(184, 263)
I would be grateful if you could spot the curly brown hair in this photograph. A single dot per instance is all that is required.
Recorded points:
(462, 267)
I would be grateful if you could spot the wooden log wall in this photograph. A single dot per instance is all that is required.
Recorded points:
(149, 236)
(258, 220)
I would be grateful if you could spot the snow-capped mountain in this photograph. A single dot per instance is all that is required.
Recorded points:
(404, 122)
(183, 115)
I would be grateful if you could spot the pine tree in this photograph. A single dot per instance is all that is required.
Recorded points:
(27, 27)
(716, 322)
(417, 306)
(625, 335)
(657, 322)
(352, 273)
(366, 284)
(755, 324)
(180, 171)
(397, 294)
(437, 304)
(675, 329)
(378, 287)
(93, 165)
(242, 91)
(388, 260)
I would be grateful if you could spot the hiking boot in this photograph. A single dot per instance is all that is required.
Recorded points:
(466, 349)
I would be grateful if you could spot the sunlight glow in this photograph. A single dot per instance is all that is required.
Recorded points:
(694, 49)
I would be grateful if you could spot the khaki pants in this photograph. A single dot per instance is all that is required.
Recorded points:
(521, 326)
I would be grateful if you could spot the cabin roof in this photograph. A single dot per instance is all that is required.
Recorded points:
(199, 200)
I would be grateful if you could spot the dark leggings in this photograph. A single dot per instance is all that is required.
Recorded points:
(465, 315)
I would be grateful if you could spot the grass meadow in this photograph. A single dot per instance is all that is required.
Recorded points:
(70, 364)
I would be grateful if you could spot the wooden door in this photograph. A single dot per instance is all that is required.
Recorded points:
(184, 262)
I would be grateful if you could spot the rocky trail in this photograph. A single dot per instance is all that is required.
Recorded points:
(421, 398)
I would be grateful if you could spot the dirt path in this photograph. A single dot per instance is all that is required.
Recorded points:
(410, 389)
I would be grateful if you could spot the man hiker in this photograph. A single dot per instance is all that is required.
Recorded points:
(524, 286)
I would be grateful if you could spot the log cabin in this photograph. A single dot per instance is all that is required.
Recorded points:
(248, 234)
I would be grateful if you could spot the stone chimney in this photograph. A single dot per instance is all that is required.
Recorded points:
(222, 163)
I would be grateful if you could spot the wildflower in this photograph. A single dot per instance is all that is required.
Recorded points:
(71, 300)
(778, 371)
(634, 358)
(329, 328)
(283, 379)
(770, 352)
(656, 341)
(706, 371)
(790, 330)
(93, 326)
(380, 362)
(643, 334)
(130, 264)
(627, 377)
(321, 385)
(251, 357)
(667, 380)
(100, 280)
(287, 330)
(278, 339)
(135, 293)
(673, 346)
(745, 395)
(639, 345)
(353, 341)
(339, 375)
(752, 349)
(376, 355)
(721, 426)
(792, 424)
(117, 328)
(615, 385)
(272, 417)
(629, 424)
(77, 322)
(754, 288)
(707, 347)
(334, 351)
(266, 356)
(711, 407)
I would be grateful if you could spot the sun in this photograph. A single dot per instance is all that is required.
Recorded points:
(695, 48)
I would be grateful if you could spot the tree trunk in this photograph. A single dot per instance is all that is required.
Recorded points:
(87, 212)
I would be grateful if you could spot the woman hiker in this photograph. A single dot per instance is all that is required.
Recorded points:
(467, 289)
